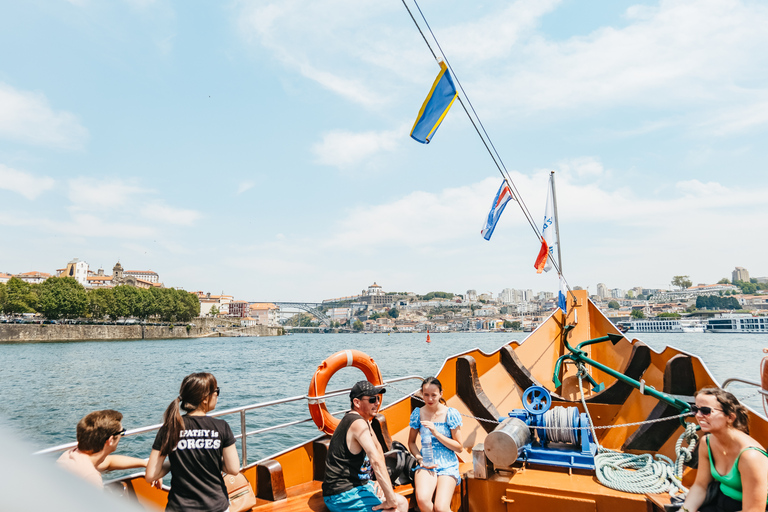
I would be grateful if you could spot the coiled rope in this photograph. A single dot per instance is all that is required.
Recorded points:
(642, 474)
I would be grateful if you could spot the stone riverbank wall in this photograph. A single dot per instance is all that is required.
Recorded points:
(197, 328)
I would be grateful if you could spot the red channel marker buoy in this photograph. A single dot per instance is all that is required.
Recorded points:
(428, 340)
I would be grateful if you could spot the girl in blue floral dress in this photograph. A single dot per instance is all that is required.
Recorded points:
(434, 485)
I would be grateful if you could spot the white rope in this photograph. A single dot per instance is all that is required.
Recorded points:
(642, 474)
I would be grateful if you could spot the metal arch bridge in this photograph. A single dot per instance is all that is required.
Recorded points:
(312, 308)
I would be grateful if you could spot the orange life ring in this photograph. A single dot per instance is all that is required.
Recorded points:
(317, 409)
(764, 380)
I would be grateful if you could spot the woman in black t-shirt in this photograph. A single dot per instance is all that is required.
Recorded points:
(198, 448)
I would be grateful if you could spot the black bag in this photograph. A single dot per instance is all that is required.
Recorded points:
(401, 465)
(711, 497)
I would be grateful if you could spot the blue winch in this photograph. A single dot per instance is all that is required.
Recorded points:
(542, 434)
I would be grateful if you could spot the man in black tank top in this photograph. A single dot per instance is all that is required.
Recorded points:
(343, 488)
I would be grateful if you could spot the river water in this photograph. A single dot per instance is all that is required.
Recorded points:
(48, 387)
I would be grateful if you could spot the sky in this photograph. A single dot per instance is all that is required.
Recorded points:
(261, 148)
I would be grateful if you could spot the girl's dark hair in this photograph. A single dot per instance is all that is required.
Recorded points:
(730, 405)
(435, 382)
(194, 389)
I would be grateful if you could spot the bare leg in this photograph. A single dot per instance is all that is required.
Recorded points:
(446, 485)
(425, 483)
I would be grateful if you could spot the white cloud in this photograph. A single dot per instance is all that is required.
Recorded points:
(677, 54)
(693, 60)
(108, 194)
(245, 186)
(24, 183)
(26, 117)
(167, 214)
(345, 149)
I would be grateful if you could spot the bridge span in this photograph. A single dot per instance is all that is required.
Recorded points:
(313, 308)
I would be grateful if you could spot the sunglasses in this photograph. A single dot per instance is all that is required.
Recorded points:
(705, 411)
(370, 399)
(120, 433)
(218, 391)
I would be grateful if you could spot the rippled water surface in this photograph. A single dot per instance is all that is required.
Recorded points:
(48, 387)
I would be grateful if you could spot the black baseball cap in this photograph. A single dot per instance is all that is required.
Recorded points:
(365, 388)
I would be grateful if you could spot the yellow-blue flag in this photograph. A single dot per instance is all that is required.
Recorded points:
(439, 100)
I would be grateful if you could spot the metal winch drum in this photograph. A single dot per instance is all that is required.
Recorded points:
(542, 434)
(505, 444)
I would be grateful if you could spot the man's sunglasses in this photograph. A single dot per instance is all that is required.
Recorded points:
(218, 391)
(120, 433)
(705, 411)
(371, 399)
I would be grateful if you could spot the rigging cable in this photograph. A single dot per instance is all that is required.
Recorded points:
(484, 137)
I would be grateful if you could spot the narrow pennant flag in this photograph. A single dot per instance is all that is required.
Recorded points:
(435, 107)
(550, 227)
(541, 259)
(503, 196)
(561, 296)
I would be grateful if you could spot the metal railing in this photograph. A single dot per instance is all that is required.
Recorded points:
(243, 435)
(745, 381)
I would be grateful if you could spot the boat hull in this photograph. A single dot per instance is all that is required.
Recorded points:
(486, 386)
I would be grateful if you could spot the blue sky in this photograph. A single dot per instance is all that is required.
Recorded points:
(261, 148)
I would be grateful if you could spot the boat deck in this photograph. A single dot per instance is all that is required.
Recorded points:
(308, 496)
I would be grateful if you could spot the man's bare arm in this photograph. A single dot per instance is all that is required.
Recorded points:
(361, 433)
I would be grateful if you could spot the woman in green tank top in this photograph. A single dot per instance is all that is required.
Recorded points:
(738, 465)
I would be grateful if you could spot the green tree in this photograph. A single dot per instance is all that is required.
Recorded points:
(3, 297)
(630, 295)
(724, 280)
(214, 311)
(668, 315)
(126, 303)
(100, 302)
(62, 297)
(393, 312)
(745, 286)
(20, 297)
(637, 314)
(681, 282)
(641, 297)
(358, 325)
(437, 295)
(614, 305)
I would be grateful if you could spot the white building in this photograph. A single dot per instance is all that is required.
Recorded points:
(740, 274)
(602, 291)
(265, 313)
(78, 270)
(146, 275)
(33, 277)
(339, 314)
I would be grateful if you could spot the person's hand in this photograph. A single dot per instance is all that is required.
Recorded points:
(158, 484)
(430, 426)
(385, 505)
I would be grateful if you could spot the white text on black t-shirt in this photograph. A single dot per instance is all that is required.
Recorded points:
(200, 440)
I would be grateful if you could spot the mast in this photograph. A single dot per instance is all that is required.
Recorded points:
(557, 224)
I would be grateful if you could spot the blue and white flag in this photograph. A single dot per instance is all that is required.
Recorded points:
(503, 196)
(550, 227)
(435, 107)
(561, 296)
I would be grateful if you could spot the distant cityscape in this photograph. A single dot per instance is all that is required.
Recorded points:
(377, 310)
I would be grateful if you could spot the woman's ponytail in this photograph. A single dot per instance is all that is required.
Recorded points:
(173, 424)
(194, 389)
